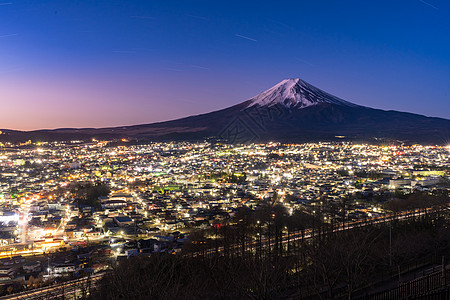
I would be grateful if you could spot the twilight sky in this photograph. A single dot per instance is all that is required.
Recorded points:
(66, 63)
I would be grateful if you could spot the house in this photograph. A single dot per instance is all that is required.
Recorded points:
(145, 245)
(64, 268)
(18, 259)
(114, 204)
(123, 221)
(68, 233)
(32, 267)
(397, 183)
(4, 278)
(6, 261)
(8, 270)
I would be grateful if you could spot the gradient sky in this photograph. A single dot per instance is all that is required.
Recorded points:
(66, 63)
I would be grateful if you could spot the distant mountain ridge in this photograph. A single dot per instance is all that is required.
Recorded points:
(291, 111)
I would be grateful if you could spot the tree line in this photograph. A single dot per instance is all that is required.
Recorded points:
(260, 254)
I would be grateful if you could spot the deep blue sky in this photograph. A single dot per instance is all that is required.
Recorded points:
(66, 63)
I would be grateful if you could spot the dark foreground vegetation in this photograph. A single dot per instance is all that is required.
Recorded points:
(235, 261)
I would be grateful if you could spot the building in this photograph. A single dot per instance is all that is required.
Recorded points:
(123, 221)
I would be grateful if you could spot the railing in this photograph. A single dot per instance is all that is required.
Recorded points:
(267, 242)
(437, 281)
(56, 291)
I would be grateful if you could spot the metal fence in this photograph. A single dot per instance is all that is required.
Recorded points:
(424, 286)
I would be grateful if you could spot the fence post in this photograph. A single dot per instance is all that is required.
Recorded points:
(443, 281)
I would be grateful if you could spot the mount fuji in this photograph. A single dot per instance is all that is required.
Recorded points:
(291, 111)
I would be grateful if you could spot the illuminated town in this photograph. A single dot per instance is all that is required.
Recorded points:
(224, 150)
(75, 207)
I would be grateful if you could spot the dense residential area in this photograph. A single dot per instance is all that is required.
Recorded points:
(75, 209)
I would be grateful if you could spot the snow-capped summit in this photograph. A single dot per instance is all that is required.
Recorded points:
(295, 93)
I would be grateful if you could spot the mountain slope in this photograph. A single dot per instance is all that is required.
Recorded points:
(291, 111)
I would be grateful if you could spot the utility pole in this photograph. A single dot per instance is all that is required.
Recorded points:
(259, 238)
(390, 243)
